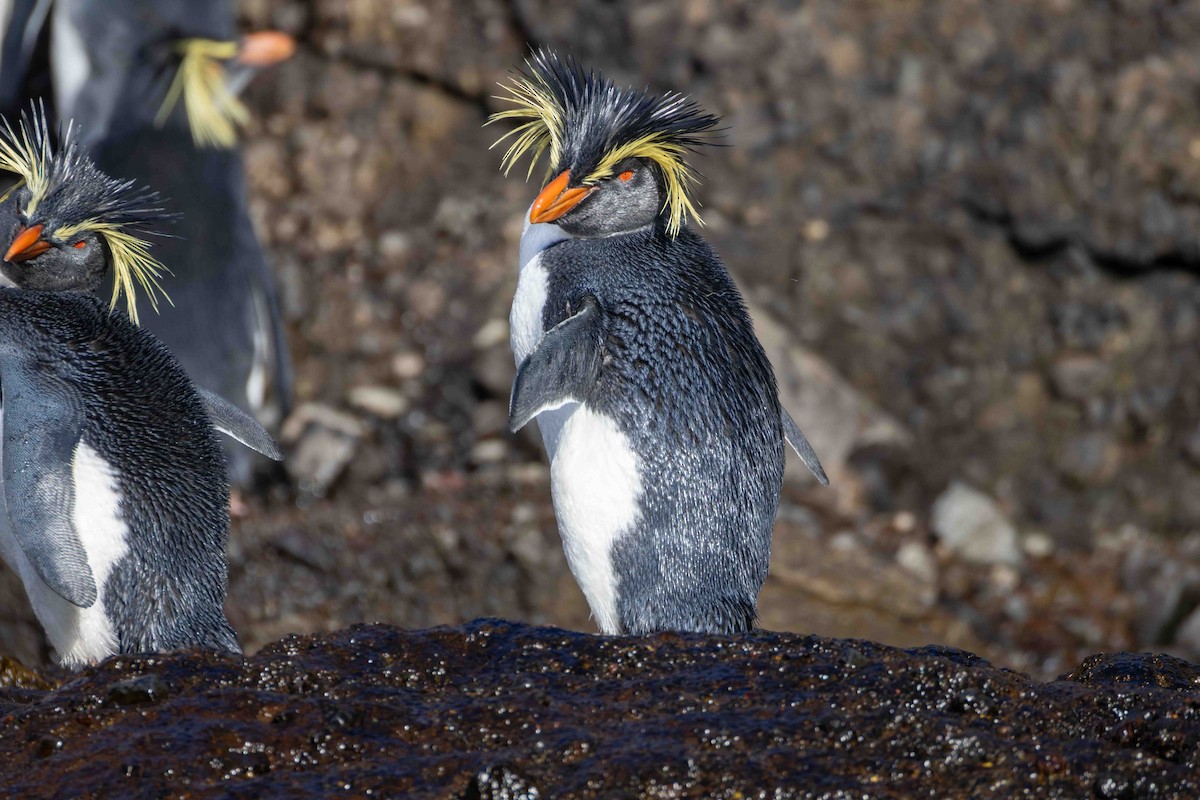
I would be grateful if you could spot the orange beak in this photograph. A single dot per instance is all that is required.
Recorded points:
(265, 48)
(556, 199)
(26, 245)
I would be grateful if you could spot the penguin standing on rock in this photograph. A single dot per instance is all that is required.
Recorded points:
(113, 480)
(635, 353)
(115, 497)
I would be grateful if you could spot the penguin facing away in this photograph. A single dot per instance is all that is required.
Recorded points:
(67, 225)
(114, 483)
(153, 87)
(657, 406)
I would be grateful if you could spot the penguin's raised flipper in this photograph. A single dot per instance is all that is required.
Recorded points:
(561, 369)
(238, 425)
(791, 432)
(43, 422)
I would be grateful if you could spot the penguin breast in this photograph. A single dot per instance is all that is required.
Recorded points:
(595, 481)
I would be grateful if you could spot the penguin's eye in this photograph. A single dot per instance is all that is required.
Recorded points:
(627, 175)
(79, 245)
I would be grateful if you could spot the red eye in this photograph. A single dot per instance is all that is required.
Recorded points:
(79, 245)
(626, 175)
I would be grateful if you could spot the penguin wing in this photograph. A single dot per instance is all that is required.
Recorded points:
(238, 425)
(791, 432)
(562, 367)
(43, 423)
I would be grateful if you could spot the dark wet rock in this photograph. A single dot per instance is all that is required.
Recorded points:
(501, 710)
(500, 783)
(1137, 670)
(142, 689)
(14, 675)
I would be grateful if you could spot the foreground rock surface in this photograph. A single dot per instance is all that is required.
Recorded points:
(497, 709)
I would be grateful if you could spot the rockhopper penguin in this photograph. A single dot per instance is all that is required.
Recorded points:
(114, 483)
(152, 86)
(115, 511)
(636, 355)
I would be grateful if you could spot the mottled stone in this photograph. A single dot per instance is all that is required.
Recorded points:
(969, 523)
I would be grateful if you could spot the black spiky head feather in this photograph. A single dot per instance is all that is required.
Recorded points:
(588, 125)
(63, 190)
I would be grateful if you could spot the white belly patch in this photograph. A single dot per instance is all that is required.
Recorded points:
(596, 486)
(79, 635)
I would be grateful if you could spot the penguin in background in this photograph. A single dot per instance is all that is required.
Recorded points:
(636, 355)
(152, 86)
(115, 496)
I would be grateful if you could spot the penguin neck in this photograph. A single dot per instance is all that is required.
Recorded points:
(536, 238)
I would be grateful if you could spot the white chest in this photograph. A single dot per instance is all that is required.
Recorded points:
(525, 319)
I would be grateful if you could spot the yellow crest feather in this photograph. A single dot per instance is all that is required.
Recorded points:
(678, 178)
(544, 126)
(214, 113)
(27, 157)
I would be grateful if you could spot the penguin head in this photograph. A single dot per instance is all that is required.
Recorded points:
(617, 154)
(65, 223)
(37, 259)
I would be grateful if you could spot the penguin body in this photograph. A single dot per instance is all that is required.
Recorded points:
(114, 483)
(636, 355)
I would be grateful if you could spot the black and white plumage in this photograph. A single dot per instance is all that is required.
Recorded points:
(114, 483)
(635, 353)
(152, 86)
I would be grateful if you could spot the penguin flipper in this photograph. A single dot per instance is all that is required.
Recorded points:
(791, 432)
(43, 423)
(562, 368)
(238, 425)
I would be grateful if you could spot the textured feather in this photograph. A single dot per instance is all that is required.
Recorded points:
(588, 125)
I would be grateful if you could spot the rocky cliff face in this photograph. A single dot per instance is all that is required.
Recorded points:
(502, 710)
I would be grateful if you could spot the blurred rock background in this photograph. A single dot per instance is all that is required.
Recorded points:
(970, 236)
